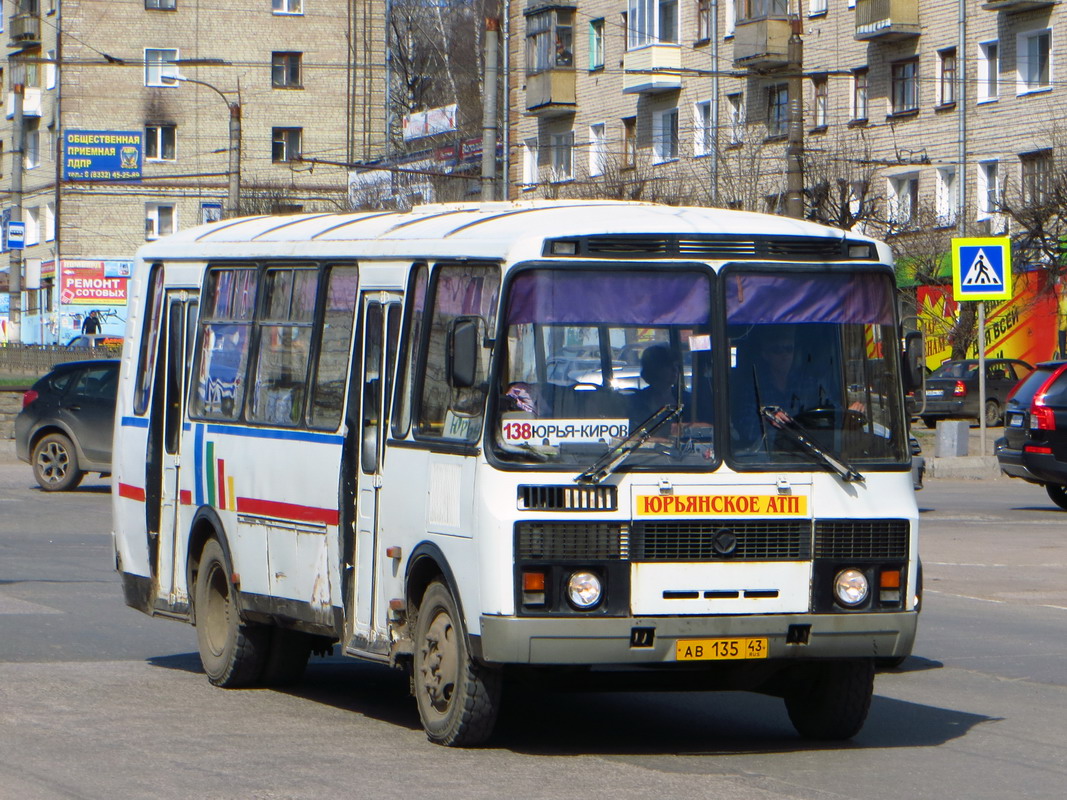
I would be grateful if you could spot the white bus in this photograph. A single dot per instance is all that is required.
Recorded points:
(489, 441)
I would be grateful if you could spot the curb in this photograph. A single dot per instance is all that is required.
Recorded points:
(975, 468)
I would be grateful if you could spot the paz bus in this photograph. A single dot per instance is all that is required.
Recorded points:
(519, 441)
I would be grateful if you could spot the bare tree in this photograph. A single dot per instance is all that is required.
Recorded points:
(840, 178)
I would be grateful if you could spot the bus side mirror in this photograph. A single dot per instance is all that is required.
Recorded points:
(462, 353)
(914, 356)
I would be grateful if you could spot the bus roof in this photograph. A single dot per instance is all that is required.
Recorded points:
(503, 230)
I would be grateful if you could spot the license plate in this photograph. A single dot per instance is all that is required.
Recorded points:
(933, 392)
(720, 649)
(1015, 420)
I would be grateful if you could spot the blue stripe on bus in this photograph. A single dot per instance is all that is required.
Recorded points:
(198, 458)
(275, 433)
(135, 422)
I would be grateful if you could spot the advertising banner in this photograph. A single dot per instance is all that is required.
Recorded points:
(86, 283)
(102, 155)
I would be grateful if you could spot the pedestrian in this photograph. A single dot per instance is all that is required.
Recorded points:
(91, 327)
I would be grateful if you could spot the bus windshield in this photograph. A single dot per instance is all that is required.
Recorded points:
(590, 355)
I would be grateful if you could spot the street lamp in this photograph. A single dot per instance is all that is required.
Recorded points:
(233, 193)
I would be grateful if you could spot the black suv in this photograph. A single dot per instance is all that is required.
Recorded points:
(1034, 445)
(952, 389)
(65, 426)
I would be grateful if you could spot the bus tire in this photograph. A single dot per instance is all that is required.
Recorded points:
(232, 652)
(287, 657)
(458, 698)
(830, 702)
(55, 463)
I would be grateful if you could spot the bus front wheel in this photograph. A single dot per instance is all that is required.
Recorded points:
(458, 698)
(830, 701)
(232, 652)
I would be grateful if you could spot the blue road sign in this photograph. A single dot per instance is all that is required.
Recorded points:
(981, 269)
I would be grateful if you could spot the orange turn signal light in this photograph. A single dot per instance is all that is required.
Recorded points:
(890, 579)
(533, 581)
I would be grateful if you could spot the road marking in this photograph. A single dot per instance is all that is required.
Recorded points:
(965, 597)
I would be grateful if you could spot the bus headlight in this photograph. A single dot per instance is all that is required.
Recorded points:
(584, 589)
(851, 587)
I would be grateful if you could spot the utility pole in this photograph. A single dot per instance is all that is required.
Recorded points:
(18, 90)
(794, 149)
(492, 34)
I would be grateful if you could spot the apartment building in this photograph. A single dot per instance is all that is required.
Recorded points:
(140, 118)
(913, 113)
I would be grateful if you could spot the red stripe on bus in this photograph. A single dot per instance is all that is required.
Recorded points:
(273, 508)
(185, 497)
(131, 492)
(222, 483)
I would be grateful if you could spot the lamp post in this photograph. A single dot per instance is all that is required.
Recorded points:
(233, 193)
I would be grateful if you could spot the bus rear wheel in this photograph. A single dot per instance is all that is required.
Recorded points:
(830, 701)
(458, 698)
(232, 652)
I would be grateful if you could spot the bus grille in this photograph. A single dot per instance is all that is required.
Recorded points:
(716, 540)
(568, 498)
(861, 538)
(552, 541)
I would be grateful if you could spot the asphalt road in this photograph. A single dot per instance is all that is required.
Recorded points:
(99, 701)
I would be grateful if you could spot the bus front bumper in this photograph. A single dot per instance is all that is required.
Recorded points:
(652, 640)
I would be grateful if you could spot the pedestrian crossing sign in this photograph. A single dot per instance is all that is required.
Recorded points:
(981, 269)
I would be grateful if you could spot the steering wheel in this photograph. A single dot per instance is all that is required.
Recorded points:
(824, 417)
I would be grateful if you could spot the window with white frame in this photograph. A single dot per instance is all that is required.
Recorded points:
(665, 135)
(31, 144)
(731, 18)
(286, 144)
(1033, 57)
(31, 218)
(529, 162)
(50, 69)
(596, 44)
(988, 71)
(49, 221)
(598, 153)
(651, 22)
(287, 6)
(703, 134)
(167, 5)
(904, 79)
(160, 142)
(704, 25)
(562, 152)
(160, 219)
(820, 89)
(285, 70)
(736, 102)
(946, 68)
(549, 40)
(2, 16)
(989, 195)
(858, 107)
(778, 109)
(903, 199)
(816, 8)
(159, 66)
(947, 197)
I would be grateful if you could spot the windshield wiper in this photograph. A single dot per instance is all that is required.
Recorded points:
(610, 461)
(796, 432)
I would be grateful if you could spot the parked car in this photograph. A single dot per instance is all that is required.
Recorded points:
(952, 389)
(65, 426)
(81, 341)
(1034, 445)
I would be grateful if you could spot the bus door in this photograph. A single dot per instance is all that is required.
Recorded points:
(380, 330)
(165, 434)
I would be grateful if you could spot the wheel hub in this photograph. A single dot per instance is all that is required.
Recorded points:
(439, 662)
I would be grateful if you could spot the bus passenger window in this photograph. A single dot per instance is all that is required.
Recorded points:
(225, 338)
(328, 386)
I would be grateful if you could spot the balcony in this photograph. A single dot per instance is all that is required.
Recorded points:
(550, 93)
(653, 68)
(31, 103)
(25, 30)
(1016, 5)
(762, 43)
(886, 20)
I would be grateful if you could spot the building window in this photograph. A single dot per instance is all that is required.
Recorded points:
(1036, 177)
(168, 5)
(159, 142)
(820, 88)
(32, 220)
(596, 44)
(285, 144)
(285, 71)
(761, 9)
(629, 143)
(159, 67)
(947, 199)
(562, 151)
(988, 71)
(860, 79)
(529, 163)
(549, 40)
(737, 117)
(778, 109)
(49, 221)
(1033, 55)
(903, 199)
(159, 220)
(50, 69)
(905, 86)
(703, 20)
(598, 154)
(703, 135)
(31, 144)
(946, 67)
(210, 212)
(651, 22)
(287, 6)
(816, 8)
(665, 135)
(988, 189)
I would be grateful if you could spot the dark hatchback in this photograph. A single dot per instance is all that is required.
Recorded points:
(952, 389)
(1034, 445)
(65, 426)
